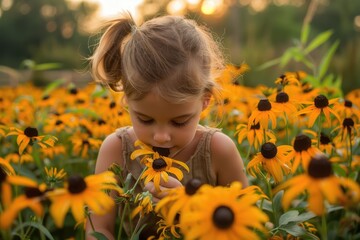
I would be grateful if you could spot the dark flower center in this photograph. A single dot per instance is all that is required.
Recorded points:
(73, 91)
(77, 184)
(192, 186)
(46, 97)
(162, 151)
(255, 126)
(58, 122)
(302, 143)
(268, 150)
(226, 101)
(348, 103)
(282, 97)
(112, 105)
(159, 164)
(264, 105)
(324, 139)
(348, 123)
(321, 101)
(31, 192)
(85, 142)
(3, 175)
(31, 132)
(223, 217)
(101, 122)
(320, 167)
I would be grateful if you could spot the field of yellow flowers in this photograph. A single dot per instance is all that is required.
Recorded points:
(300, 145)
(299, 139)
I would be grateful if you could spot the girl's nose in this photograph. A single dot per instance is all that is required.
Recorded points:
(161, 136)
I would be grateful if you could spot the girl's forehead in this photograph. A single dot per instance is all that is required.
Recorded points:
(153, 104)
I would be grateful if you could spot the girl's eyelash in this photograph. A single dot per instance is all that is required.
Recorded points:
(146, 122)
(181, 124)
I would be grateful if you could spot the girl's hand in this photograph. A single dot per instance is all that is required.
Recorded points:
(164, 186)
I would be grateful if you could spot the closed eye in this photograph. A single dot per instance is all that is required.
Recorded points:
(146, 121)
(179, 124)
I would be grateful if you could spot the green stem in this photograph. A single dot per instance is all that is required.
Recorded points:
(138, 179)
(122, 220)
(320, 128)
(350, 153)
(287, 128)
(323, 227)
(136, 227)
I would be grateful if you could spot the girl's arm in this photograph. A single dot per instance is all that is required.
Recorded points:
(227, 161)
(110, 152)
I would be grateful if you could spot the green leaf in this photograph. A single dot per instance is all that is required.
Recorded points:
(286, 57)
(293, 216)
(305, 34)
(46, 66)
(320, 39)
(277, 201)
(39, 226)
(52, 86)
(266, 205)
(268, 64)
(288, 217)
(324, 64)
(99, 236)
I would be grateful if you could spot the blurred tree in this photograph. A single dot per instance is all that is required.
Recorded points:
(44, 31)
(261, 30)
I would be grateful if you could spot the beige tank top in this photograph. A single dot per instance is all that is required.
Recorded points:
(200, 163)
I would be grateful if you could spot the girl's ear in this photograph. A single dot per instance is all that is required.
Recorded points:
(206, 100)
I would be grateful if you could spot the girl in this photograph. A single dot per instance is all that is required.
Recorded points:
(166, 69)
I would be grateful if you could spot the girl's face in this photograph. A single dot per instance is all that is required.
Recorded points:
(159, 123)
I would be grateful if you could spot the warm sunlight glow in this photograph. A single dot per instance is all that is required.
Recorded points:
(176, 7)
(209, 7)
(110, 8)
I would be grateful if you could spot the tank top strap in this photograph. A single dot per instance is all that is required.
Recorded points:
(200, 163)
(130, 166)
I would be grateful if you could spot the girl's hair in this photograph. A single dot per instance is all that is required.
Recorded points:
(171, 54)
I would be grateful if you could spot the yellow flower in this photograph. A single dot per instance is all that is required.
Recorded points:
(53, 175)
(144, 204)
(223, 213)
(8, 179)
(347, 109)
(302, 152)
(320, 105)
(263, 114)
(348, 130)
(17, 158)
(158, 166)
(273, 159)
(80, 192)
(254, 134)
(288, 78)
(321, 184)
(83, 143)
(31, 135)
(31, 198)
(283, 104)
(177, 200)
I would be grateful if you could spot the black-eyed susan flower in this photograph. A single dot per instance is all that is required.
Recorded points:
(326, 144)
(321, 185)
(167, 231)
(347, 130)
(17, 158)
(54, 176)
(144, 204)
(176, 201)
(347, 109)
(263, 114)
(80, 192)
(31, 198)
(254, 134)
(52, 152)
(287, 78)
(158, 165)
(29, 136)
(283, 104)
(302, 152)
(83, 143)
(7, 180)
(320, 105)
(273, 159)
(223, 213)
